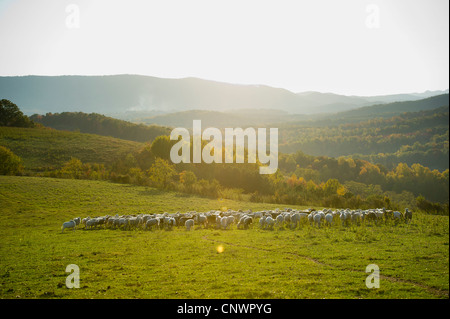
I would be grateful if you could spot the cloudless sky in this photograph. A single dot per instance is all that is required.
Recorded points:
(353, 47)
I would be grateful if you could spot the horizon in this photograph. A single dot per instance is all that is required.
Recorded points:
(351, 47)
(238, 84)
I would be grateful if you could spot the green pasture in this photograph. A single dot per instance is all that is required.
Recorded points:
(307, 262)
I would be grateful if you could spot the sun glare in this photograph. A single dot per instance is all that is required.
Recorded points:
(220, 249)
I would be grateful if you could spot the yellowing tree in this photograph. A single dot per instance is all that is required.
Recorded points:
(161, 173)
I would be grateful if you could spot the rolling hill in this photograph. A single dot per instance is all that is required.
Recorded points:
(47, 149)
(102, 125)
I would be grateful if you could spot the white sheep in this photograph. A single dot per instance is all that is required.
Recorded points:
(295, 220)
(77, 221)
(123, 222)
(151, 222)
(201, 220)
(224, 222)
(329, 219)
(91, 222)
(189, 223)
(317, 219)
(261, 221)
(169, 222)
(257, 214)
(311, 218)
(279, 220)
(134, 221)
(69, 224)
(269, 222)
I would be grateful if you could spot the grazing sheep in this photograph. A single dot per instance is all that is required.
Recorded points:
(329, 219)
(408, 215)
(247, 222)
(210, 220)
(169, 222)
(91, 223)
(224, 222)
(151, 223)
(397, 216)
(287, 217)
(295, 220)
(261, 221)
(257, 214)
(110, 221)
(133, 222)
(346, 218)
(189, 223)
(311, 218)
(83, 221)
(317, 219)
(279, 220)
(123, 222)
(69, 224)
(380, 214)
(244, 222)
(201, 220)
(269, 222)
(182, 220)
(77, 221)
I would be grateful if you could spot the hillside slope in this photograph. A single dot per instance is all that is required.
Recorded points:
(102, 125)
(45, 149)
(411, 137)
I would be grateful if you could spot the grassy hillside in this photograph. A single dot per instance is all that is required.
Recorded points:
(42, 149)
(304, 263)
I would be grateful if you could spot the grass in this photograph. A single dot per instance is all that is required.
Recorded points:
(283, 263)
(51, 148)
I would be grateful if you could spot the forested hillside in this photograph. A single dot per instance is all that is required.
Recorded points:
(102, 125)
(413, 137)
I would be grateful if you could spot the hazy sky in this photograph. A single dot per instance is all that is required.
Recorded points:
(355, 47)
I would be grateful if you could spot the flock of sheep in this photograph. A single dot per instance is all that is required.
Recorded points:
(267, 219)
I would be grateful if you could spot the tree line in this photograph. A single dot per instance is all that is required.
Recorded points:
(300, 180)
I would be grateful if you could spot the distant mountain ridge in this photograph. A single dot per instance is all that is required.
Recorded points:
(117, 94)
(248, 117)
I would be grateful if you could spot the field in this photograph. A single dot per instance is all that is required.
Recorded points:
(283, 263)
